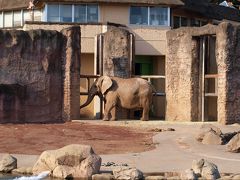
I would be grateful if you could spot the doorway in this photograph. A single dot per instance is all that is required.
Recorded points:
(208, 75)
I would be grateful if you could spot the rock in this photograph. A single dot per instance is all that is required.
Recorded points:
(205, 169)
(210, 135)
(234, 144)
(8, 163)
(189, 174)
(23, 170)
(228, 136)
(127, 173)
(235, 177)
(155, 178)
(104, 176)
(77, 161)
(197, 166)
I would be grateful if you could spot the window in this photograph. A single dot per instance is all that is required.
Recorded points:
(65, 13)
(17, 18)
(27, 15)
(80, 13)
(195, 22)
(37, 15)
(179, 21)
(8, 19)
(155, 16)
(92, 13)
(1, 20)
(53, 13)
(139, 15)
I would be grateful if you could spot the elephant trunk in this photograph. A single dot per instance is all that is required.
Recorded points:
(92, 92)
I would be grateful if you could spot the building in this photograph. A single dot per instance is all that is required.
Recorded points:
(148, 21)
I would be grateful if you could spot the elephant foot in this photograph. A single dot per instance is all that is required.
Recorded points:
(144, 119)
(105, 119)
(113, 119)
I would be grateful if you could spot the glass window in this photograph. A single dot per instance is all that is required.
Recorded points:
(139, 15)
(27, 15)
(8, 19)
(65, 13)
(17, 18)
(1, 20)
(92, 13)
(80, 13)
(53, 13)
(37, 15)
(158, 16)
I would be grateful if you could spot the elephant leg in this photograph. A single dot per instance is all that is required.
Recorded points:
(145, 113)
(108, 107)
(113, 114)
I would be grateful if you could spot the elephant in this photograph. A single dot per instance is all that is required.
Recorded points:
(129, 93)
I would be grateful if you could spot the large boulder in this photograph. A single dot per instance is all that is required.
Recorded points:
(76, 161)
(205, 169)
(127, 173)
(8, 163)
(189, 174)
(234, 144)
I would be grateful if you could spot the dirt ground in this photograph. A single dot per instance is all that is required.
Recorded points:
(35, 138)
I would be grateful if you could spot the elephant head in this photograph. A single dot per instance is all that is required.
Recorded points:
(99, 88)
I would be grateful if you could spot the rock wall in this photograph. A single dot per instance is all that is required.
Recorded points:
(31, 75)
(117, 52)
(228, 58)
(182, 72)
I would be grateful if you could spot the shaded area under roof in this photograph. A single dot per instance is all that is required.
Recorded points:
(211, 11)
(13, 4)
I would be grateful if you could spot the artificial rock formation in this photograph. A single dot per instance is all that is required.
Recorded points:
(33, 70)
(183, 72)
(72, 161)
(117, 57)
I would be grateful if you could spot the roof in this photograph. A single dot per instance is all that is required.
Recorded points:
(13, 4)
(153, 2)
(211, 11)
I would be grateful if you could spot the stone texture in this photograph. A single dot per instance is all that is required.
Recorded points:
(104, 176)
(205, 169)
(32, 71)
(116, 52)
(210, 135)
(227, 52)
(22, 170)
(234, 144)
(155, 178)
(127, 173)
(8, 163)
(182, 72)
(77, 161)
(189, 174)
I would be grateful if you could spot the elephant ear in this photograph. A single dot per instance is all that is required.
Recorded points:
(106, 84)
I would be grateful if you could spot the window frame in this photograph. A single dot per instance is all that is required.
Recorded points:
(148, 18)
(46, 12)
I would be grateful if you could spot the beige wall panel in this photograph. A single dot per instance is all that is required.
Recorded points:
(115, 14)
(154, 48)
(87, 68)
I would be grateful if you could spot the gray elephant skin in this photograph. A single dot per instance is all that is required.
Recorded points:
(131, 93)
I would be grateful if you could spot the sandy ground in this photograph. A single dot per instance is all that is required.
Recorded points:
(33, 139)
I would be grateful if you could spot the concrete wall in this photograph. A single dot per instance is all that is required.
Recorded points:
(39, 75)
